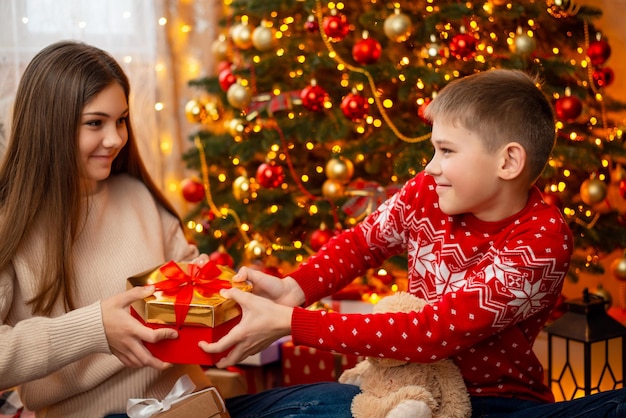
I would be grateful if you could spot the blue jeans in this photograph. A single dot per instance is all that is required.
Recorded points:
(333, 400)
(327, 399)
(610, 404)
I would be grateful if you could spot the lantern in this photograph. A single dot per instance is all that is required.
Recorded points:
(586, 350)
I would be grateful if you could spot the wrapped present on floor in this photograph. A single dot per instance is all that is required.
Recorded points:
(269, 355)
(301, 364)
(230, 382)
(187, 299)
(181, 402)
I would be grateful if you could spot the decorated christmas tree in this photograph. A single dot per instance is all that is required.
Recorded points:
(313, 117)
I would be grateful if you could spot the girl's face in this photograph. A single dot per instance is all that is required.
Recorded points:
(466, 174)
(102, 133)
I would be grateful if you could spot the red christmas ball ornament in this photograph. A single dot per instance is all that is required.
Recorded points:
(603, 77)
(354, 106)
(421, 108)
(599, 52)
(622, 189)
(367, 50)
(311, 25)
(383, 275)
(336, 26)
(319, 238)
(552, 199)
(224, 65)
(226, 79)
(222, 258)
(206, 227)
(207, 215)
(462, 46)
(270, 176)
(568, 108)
(193, 190)
(313, 97)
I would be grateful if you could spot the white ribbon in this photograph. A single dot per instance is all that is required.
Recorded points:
(145, 408)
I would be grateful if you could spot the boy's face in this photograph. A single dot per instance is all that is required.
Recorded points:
(466, 175)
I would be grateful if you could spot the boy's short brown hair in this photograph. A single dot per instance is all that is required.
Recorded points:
(501, 106)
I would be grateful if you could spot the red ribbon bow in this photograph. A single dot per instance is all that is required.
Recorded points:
(183, 284)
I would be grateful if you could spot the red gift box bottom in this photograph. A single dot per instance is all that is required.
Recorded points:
(184, 349)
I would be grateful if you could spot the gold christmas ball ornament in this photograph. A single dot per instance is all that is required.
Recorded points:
(212, 110)
(263, 38)
(235, 126)
(523, 44)
(255, 250)
(203, 110)
(238, 96)
(593, 191)
(241, 188)
(340, 169)
(220, 48)
(241, 35)
(618, 268)
(332, 189)
(193, 111)
(397, 26)
(432, 50)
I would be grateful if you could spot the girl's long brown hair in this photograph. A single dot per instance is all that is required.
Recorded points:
(40, 177)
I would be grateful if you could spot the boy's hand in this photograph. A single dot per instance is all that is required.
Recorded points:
(125, 334)
(262, 323)
(284, 291)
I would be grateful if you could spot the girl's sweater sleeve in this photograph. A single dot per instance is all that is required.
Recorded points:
(26, 349)
(177, 247)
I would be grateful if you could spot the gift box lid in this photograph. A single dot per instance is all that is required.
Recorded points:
(206, 307)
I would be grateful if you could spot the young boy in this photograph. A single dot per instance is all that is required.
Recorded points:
(483, 248)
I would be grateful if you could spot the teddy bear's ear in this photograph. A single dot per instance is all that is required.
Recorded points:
(399, 302)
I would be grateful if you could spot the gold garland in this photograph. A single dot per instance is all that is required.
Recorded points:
(588, 225)
(204, 168)
(370, 79)
(592, 84)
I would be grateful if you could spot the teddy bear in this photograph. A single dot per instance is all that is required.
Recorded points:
(400, 389)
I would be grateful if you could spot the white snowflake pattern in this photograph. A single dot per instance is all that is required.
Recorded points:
(499, 270)
(424, 259)
(447, 281)
(527, 298)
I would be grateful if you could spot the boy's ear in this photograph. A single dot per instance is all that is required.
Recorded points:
(512, 161)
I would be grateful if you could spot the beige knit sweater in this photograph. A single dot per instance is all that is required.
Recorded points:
(63, 364)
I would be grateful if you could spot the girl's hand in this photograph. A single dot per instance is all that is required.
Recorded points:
(201, 260)
(262, 323)
(284, 291)
(125, 334)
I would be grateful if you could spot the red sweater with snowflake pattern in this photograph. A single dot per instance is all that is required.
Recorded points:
(490, 287)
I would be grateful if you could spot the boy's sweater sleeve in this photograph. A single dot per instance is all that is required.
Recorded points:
(351, 253)
(483, 285)
(459, 320)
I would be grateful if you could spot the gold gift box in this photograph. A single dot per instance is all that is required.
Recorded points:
(204, 310)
